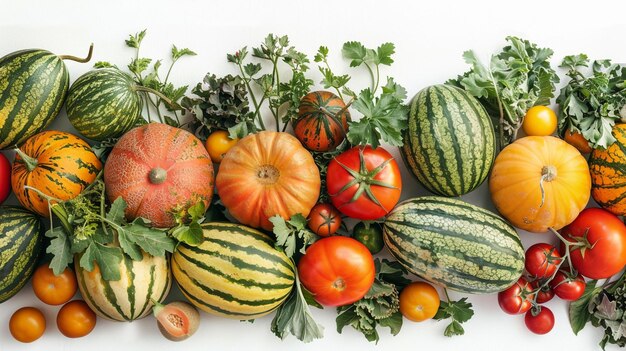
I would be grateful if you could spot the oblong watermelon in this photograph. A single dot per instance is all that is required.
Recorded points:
(103, 103)
(21, 235)
(454, 244)
(235, 272)
(450, 143)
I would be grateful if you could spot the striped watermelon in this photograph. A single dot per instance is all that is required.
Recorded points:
(104, 103)
(234, 273)
(450, 143)
(608, 173)
(21, 234)
(130, 297)
(33, 86)
(455, 244)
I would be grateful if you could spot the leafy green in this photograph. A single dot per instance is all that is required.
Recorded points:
(591, 105)
(384, 116)
(458, 311)
(188, 229)
(579, 313)
(293, 234)
(294, 316)
(330, 80)
(87, 228)
(516, 79)
(380, 306)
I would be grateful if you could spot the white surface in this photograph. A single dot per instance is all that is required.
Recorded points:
(429, 38)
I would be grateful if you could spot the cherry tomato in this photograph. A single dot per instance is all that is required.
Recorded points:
(518, 298)
(338, 270)
(218, 143)
(604, 252)
(27, 324)
(578, 141)
(5, 178)
(539, 120)
(543, 295)
(566, 287)
(364, 183)
(419, 301)
(539, 322)
(324, 220)
(75, 319)
(370, 235)
(54, 289)
(541, 260)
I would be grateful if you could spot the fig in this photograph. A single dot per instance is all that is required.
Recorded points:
(177, 320)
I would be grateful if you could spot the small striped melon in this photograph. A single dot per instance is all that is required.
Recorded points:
(104, 103)
(21, 234)
(454, 244)
(130, 297)
(450, 143)
(235, 272)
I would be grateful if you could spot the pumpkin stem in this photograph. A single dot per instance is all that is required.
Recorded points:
(548, 174)
(268, 174)
(78, 59)
(157, 175)
(30, 162)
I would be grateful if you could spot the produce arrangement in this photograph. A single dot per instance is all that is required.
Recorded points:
(256, 193)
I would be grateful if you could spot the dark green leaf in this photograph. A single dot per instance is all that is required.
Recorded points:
(294, 317)
(116, 212)
(454, 328)
(579, 313)
(107, 258)
(178, 53)
(151, 240)
(394, 323)
(128, 245)
(139, 65)
(354, 51)
(134, 41)
(61, 249)
(383, 54)
(345, 317)
(191, 235)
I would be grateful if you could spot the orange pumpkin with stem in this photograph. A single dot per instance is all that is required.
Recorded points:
(160, 171)
(540, 182)
(267, 174)
(60, 165)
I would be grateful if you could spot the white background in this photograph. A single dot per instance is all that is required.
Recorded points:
(429, 38)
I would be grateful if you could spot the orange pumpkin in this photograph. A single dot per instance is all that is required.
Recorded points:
(608, 173)
(160, 171)
(540, 182)
(322, 121)
(58, 164)
(266, 174)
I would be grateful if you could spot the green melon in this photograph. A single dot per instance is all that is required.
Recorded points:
(21, 235)
(454, 244)
(104, 103)
(450, 143)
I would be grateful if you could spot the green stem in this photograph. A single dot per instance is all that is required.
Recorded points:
(617, 283)
(276, 77)
(257, 111)
(377, 79)
(371, 75)
(30, 162)
(157, 93)
(79, 59)
(167, 76)
(337, 89)
(61, 213)
(445, 291)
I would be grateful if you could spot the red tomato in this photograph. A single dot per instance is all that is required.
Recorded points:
(5, 178)
(518, 298)
(567, 287)
(364, 183)
(324, 220)
(541, 260)
(545, 294)
(338, 270)
(539, 322)
(604, 253)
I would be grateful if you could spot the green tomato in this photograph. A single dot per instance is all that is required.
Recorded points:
(369, 234)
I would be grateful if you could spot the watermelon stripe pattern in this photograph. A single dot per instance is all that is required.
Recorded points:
(449, 144)
(129, 298)
(33, 86)
(455, 244)
(103, 104)
(235, 272)
(21, 234)
(608, 173)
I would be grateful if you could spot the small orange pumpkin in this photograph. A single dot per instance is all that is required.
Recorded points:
(267, 174)
(540, 182)
(608, 173)
(322, 121)
(160, 171)
(58, 164)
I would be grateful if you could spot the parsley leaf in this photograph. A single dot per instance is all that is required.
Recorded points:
(293, 234)
(458, 311)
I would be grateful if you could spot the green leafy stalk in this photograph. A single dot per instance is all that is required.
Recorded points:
(292, 235)
(517, 78)
(457, 311)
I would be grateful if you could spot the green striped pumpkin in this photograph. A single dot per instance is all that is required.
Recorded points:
(104, 103)
(33, 85)
(21, 234)
(129, 298)
(450, 143)
(235, 272)
(455, 244)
